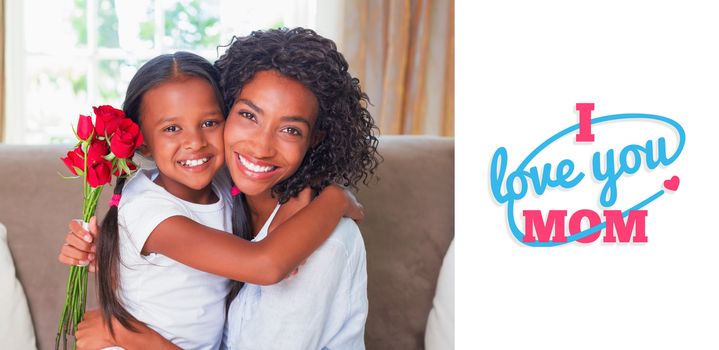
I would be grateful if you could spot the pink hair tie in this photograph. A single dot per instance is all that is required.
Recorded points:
(235, 191)
(115, 200)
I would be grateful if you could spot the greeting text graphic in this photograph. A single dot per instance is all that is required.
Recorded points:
(607, 168)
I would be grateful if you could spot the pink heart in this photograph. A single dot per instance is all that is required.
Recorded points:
(672, 184)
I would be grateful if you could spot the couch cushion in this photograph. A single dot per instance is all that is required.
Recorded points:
(36, 205)
(16, 329)
(408, 227)
(440, 324)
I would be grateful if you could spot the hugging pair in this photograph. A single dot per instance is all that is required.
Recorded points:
(254, 145)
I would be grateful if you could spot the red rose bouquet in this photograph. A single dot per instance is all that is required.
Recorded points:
(102, 150)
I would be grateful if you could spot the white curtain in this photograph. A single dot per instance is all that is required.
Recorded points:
(403, 53)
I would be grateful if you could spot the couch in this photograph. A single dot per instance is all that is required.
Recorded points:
(408, 228)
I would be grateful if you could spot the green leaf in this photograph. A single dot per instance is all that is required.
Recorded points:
(110, 157)
(74, 132)
(124, 167)
(68, 177)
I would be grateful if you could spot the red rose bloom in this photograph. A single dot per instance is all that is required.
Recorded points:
(84, 127)
(75, 159)
(95, 155)
(98, 174)
(98, 149)
(107, 119)
(126, 139)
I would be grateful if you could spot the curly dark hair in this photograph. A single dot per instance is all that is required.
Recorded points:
(347, 154)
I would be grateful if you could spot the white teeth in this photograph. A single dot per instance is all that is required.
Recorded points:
(254, 167)
(193, 162)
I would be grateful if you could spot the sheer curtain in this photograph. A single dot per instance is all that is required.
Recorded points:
(403, 53)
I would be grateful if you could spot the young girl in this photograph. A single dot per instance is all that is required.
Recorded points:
(155, 231)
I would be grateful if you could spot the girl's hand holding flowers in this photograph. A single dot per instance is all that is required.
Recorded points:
(79, 248)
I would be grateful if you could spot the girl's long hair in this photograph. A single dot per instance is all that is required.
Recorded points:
(161, 69)
(241, 227)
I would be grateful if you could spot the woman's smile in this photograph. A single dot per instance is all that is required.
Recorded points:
(255, 168)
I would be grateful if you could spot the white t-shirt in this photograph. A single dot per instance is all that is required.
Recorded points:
(186, 306)
(324, 306)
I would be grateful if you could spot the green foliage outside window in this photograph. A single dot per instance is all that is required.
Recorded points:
(79, 21)
(190, 26)
(107, 24)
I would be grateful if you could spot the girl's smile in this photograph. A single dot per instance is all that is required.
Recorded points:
(196, 165)
(268, 131)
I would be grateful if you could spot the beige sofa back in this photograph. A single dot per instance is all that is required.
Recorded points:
(410, 223)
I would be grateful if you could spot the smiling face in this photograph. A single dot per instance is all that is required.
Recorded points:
(268, 132)
(182, 125)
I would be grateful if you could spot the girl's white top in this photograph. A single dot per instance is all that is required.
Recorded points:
(184, 305)
(324, 306)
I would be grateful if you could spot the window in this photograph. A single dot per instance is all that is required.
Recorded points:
(64, 56)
